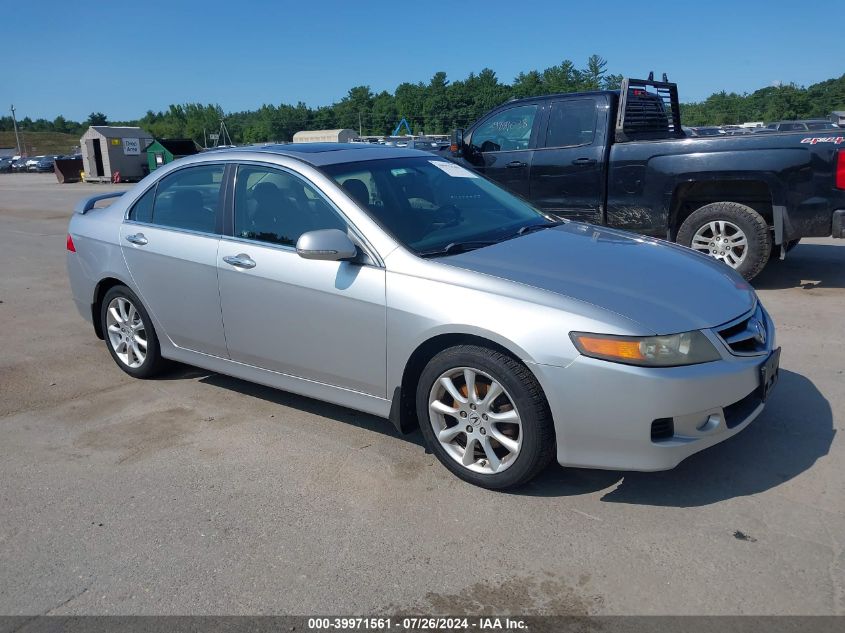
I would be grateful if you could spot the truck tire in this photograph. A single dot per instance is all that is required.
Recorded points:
(732, 233)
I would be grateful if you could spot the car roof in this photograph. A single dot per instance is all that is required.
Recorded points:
(321, 154)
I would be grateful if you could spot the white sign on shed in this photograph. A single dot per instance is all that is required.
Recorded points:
(131, 146)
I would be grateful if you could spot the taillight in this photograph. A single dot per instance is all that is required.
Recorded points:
(69, 244)
(840, 169)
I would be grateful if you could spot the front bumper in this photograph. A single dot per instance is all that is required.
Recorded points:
(603, 412)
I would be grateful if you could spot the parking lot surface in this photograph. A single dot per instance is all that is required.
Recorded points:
(200, 494)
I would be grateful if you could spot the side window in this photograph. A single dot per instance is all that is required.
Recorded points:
(508, 130)
(189, 198)
(275, 206)
(571, 123)
(142, 210)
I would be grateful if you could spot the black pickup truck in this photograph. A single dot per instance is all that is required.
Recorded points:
(620, 158)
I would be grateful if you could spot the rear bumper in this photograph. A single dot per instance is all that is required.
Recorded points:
(603, 412)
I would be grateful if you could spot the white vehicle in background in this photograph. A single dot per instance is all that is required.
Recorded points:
(32, 163)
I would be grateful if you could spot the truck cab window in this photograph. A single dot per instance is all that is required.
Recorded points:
(506, 131)
(571, 123)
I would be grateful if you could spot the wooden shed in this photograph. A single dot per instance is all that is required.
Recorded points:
(166, 150)
(108, 150)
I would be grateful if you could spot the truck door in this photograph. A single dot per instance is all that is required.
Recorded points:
(567, 170)
(501, 146)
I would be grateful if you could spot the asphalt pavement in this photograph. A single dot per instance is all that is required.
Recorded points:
(200, 494)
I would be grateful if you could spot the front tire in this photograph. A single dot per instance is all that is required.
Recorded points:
(129, 334)
(731, 232)
(484, 416)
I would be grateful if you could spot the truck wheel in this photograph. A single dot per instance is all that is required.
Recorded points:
(730, 232)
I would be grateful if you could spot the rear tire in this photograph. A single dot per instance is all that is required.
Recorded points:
(730, 232)
(498, 412)
(129, 334)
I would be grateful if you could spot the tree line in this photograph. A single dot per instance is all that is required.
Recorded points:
(438, 106)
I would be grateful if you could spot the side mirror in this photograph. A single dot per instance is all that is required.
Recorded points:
(457, 146)
(331, 245)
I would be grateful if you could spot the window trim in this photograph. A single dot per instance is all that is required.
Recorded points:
(228, 234)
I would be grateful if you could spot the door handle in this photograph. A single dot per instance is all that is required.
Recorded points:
(583, 162)
(241, 260)
(514, 164)
(137, 238)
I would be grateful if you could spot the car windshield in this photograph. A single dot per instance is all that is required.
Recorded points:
(432, 204)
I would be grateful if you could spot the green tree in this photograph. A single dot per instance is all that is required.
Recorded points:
(97, 118)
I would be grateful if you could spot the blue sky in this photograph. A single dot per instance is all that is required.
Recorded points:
(66, 58)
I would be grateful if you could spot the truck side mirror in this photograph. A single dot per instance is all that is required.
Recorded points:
(457, 147)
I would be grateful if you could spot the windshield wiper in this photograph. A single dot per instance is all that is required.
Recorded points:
(525, 230)
(454, 248)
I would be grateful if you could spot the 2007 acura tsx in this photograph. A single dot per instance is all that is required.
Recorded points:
(400, 284)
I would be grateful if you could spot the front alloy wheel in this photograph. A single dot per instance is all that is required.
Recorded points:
(475, 420)
(484, 416)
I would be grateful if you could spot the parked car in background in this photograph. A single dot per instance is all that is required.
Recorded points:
(621, 159)
(398, 283)
(708, 131)
(32, 163)
(735, 130)
(802, 126)
(5, 165)
(46, 163)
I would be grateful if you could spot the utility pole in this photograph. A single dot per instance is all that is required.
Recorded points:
(15, 125)
(360, 133)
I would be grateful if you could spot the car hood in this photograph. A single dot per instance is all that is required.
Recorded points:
(664, 287)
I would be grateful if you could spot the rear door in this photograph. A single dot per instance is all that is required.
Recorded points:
(170, 240)
(567, 170)
(501, 147)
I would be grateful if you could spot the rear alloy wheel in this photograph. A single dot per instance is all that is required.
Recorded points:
(129, 333)
(732, 233)
(484, 417)
(722, 240)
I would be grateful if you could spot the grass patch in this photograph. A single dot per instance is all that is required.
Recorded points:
(37, 143)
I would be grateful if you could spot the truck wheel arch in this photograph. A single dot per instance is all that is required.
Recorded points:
(690, 195)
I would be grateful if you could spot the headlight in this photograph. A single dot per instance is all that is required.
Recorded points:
(689, 348)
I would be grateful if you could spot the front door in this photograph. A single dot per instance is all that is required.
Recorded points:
(170, 244)
(319, 320)
(501, 147)
(567, 172)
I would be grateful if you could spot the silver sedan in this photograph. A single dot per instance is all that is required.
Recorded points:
(397, 283)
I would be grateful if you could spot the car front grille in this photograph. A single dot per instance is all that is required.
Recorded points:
(747, 336)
